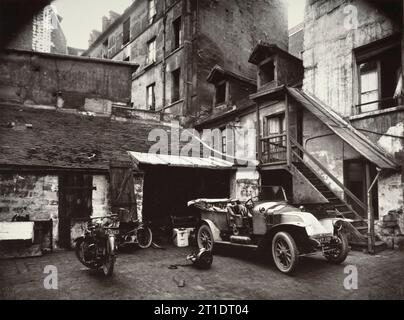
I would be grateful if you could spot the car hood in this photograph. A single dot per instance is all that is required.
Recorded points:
(291, 215)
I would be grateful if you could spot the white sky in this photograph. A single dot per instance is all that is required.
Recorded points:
(82, 16)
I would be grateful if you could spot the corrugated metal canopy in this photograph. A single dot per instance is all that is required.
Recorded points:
(180, 161)
(344, 130)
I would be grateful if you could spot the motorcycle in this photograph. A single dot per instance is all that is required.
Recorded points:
(136, 232)
(97, 248)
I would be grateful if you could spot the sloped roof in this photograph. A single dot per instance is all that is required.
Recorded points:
(263, 48)
(180, 161)
(218, 73)
(344, 130)
(71, 141)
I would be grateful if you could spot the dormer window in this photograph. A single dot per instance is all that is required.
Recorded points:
(267, 72)
(221, 93)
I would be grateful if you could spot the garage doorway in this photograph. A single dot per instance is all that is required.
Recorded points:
(167, 190)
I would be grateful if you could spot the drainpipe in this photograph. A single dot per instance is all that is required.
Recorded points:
(371, 218)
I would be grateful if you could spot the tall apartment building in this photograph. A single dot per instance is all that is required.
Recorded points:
(178, 42)
(42, 33)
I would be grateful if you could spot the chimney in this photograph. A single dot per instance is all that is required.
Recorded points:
(105, 23)
(93, 36)
(113, 16)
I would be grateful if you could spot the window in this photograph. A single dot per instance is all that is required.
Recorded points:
(379, 75)
(176, 76)
(275, 125)
(126, 32)
(127, 59)
(177, 27)
(151, 51)
(224, 141)
(151, 98)
(152, 11)
(274, 144)
(369, 85)
(221, 93)
(105, 49)
(267, 72)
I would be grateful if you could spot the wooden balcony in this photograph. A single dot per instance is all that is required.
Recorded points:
(274, 150)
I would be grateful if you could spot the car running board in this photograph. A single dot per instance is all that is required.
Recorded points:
(252, 246)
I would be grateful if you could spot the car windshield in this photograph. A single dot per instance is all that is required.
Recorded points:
(272, 193)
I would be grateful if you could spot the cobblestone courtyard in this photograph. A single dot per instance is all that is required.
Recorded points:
(236, 274)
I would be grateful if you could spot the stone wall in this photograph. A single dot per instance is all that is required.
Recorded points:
(33, 195)
(390, 229)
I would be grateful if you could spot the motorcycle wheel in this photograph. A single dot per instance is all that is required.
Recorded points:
(109, 261)
(144, 237)
(79, 251)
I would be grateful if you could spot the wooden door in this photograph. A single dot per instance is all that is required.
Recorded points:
(122, 189)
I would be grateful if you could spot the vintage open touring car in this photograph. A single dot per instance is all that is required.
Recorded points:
(269, 223)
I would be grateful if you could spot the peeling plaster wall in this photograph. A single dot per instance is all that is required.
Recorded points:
(34, 195)
(327, 148)
(391, 186)
(101, 204)
(244, 183)
(220, 24)
(391, 192)
(328, 45)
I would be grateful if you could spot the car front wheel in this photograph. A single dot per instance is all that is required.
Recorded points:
(339, 255)
(205, 238)
(284, 252)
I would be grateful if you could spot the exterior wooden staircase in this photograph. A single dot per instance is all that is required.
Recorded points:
(304, 162)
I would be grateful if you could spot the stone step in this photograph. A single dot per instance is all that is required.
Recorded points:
(362, 246)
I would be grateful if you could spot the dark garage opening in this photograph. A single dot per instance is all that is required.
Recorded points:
(279, 178)
(167, 191)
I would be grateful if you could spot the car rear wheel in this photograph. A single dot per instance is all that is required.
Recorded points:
(284, 252)
(205, 238)
(339, 255)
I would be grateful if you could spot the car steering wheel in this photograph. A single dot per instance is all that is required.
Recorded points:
(250, 201)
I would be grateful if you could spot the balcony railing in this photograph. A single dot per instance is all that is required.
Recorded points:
(380, 104)
(274, 149)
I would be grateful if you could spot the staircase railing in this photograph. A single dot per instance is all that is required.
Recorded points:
(348, 193)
